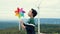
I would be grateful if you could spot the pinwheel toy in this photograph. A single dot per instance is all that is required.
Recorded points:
(19, 12)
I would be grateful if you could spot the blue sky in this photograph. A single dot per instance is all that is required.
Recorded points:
(48, 8)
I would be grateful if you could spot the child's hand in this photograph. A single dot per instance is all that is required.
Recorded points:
(21, 21)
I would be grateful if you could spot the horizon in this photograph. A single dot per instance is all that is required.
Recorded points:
(28, 18)
(42, 21)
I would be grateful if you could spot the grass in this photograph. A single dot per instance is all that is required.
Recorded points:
(13, 30)
(50, 28)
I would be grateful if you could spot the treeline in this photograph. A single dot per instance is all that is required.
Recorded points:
(50, 28)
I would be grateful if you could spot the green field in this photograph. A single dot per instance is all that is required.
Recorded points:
(50, 28)
(14, 30)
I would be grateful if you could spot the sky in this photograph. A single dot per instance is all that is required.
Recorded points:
(48, 8)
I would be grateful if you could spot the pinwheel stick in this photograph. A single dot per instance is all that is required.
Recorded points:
(19, 26)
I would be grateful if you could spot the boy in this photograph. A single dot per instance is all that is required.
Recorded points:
(30, 27)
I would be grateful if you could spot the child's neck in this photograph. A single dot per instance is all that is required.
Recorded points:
(31, 17)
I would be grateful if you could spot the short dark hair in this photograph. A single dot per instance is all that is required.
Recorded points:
(34, 12)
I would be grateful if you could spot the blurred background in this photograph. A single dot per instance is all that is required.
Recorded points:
(49, 14)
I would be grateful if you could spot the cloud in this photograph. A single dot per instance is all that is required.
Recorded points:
(48, 8)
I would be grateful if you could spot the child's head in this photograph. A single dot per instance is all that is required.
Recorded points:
(32, 13)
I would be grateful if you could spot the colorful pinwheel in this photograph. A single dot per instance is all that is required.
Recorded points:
(20, 12)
